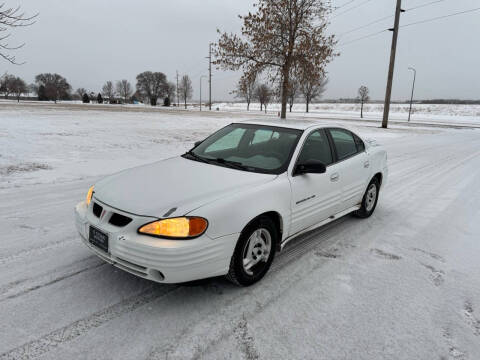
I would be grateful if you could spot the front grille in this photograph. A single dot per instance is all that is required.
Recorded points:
(119, 220)
(97, 210)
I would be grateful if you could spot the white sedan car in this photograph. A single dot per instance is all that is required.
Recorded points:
(227, 205)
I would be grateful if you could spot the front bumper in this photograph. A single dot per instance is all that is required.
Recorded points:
(160, 260)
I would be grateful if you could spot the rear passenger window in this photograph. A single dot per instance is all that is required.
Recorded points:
(316, 147)
(262, 135)
(344, 143)
(228, 142)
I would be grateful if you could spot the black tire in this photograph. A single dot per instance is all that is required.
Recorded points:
(237, 274)
(368, 207)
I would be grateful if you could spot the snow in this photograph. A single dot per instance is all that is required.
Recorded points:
(422, 113)
(403, 284)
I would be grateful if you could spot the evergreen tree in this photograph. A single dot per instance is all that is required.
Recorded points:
(99, 98)
(86, 99)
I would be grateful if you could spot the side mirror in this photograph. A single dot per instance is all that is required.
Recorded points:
(197, 143)
(310, 167)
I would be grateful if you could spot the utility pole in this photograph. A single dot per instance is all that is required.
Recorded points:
(413, 88)
(210, 76)
(201, 77)
(388, 94)
(178, 103)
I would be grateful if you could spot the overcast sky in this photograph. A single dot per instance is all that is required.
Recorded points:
(92, 41)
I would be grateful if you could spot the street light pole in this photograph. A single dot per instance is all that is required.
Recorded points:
(413, 88)
(201, 77)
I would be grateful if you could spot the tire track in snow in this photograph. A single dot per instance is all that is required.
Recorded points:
(40, 282)
(447, 152)
(18, 283)
(385, 255)
(37, 250)
(430, 254)
(38, 347)
(447, 168)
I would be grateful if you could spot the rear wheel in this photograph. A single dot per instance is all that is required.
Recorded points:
(254, 252)
(369, 201)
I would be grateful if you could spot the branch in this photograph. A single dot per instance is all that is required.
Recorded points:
(11, 59)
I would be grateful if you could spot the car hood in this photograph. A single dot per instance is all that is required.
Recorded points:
(175, 183)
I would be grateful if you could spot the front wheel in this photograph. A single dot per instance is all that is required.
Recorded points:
(369, 201)
(254, 252)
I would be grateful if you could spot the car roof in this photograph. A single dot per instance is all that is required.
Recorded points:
(286, 123)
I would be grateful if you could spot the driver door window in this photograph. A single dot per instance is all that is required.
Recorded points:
(316, 147)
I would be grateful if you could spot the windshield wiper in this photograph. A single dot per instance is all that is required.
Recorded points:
(232, 164)
(227, 163)
(195, 157)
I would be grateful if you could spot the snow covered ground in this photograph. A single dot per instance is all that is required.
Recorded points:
(404, 284)
(421, 113)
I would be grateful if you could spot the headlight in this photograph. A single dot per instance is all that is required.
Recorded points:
(177, 228)
(89, 195)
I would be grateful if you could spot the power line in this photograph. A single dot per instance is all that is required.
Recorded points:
(363, 37)
(410, 24)
(350, 9)
(424, 5)
(345, 4)
(441, 17)
(366, 25)
(388, 17)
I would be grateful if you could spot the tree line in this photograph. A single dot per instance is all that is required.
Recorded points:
(150, 87)
(249, 90)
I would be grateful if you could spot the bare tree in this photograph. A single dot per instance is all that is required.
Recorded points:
(19, 87)
(6, 84)
(80, 92)
(264, 94)
(56, 86)
(279, 36)
(124, 89)
(171, 91)
(152, 85)
(363, 97)
(108, 91)
(185, 89)
(293, 89)
(246, 87)
(11, 18)
(312, 88)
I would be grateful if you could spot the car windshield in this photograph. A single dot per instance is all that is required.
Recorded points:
(248, 147)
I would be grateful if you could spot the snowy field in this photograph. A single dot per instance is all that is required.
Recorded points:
(421, 113)
(404, 284)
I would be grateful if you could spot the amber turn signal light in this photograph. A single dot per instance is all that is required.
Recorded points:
(89, 195)
(180, 227)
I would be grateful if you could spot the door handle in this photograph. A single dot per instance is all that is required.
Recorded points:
(334, 177)
(366, 164)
